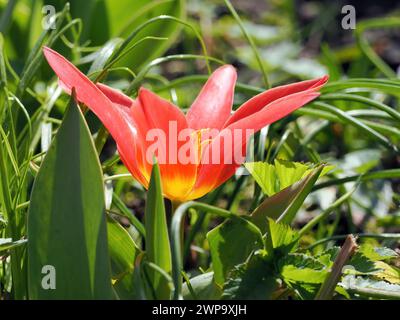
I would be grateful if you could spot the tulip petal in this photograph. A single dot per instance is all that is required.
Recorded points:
(165, 118)
(115, 96)
(117, 120)
(213, 105)
(259, 101)
(211, 175)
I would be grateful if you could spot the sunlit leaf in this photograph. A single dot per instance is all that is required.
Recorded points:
(123, 252)
(230, 244)
(280, 238)
(67, 225)
(254, 279)
(157, 242)
(285, 204)
(203, 286)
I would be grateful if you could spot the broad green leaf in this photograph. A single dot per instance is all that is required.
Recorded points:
(387, 272)
(305, 273)
(360, 264)
(377, 253)
(289, 172)
(157, 241)
(369, 261)
(280, 239)
(254, 279)
(368, 287)
(302, 268)
(231, 244)
(149, 50)
(280, 175)
(328, 256)
(265, 175)
(66, 224)
(203, 286)
(123, 252)
(284, 205)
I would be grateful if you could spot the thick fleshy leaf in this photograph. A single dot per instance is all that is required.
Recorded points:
(67, 247)
(157, 241)
(261, 100)
(123, 252)
(213, 105)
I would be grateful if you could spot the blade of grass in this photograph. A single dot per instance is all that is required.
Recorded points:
(250, 40)
(382, 174)
(352, 97)
(356, 123)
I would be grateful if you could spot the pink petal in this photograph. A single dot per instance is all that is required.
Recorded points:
(117, 120)
(213, 105)
(213, 175)
(258, 102)
(160, 114)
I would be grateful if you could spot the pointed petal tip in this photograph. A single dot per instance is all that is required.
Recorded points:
(228, 68)
(321, 81)
(48, 52)
(212, 107)
(143, 90)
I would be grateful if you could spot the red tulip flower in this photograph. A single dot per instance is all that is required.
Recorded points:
(208, 123)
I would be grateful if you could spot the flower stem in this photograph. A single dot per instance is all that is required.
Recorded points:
(176, 244)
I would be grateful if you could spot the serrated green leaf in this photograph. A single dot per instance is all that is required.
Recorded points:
(284, 205)
(328, 256)
(273, 178)
(66, 220)
(370, 288)
(362, 264)
(254, 279)
(281, 239)
(302, 268)
(265, 175)
(387, 272)
(231, 244)
(377, 253)
(289, 172)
